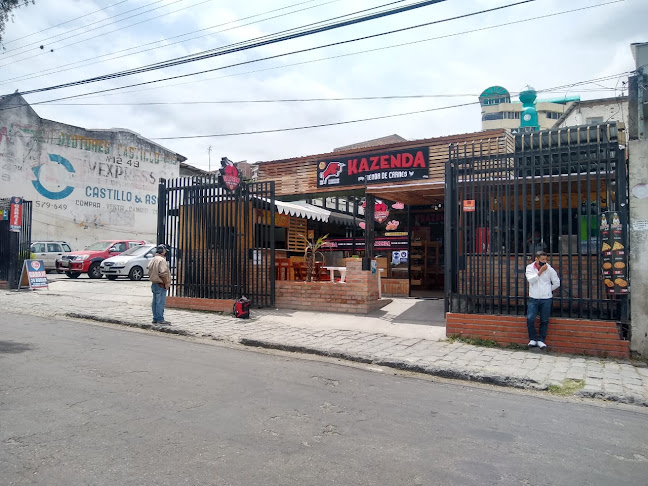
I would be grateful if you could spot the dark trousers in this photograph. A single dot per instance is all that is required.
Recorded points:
(543, 307)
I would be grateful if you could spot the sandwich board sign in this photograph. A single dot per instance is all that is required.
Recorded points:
(33, 275)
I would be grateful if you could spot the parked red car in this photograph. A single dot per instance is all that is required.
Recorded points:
(88, 261)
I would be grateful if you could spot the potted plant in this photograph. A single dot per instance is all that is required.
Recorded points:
(311, 252)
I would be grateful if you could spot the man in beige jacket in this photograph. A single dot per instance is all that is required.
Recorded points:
(160, 278)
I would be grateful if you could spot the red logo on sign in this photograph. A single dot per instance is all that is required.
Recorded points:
(333, 169)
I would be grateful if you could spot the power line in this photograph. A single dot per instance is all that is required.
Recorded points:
(56, 70)
(300, 100)
(286, 100)
(332, 57)
(174, 62)
(347, 122)
(370, 17)
(89, 30)
(66, 22)
(404, 44)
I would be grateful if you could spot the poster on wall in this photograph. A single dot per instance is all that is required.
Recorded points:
(614, 252)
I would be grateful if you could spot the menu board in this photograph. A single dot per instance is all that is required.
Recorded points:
(614, 252)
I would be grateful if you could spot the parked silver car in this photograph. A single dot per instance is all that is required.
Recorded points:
(132, 263)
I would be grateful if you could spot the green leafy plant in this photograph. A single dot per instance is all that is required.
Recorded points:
(311, 252)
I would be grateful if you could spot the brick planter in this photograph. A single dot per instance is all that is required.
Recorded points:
(576, 336)
(359, 295)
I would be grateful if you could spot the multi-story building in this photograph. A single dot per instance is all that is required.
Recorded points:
(499, 111)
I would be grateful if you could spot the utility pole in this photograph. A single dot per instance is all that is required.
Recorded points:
(209, 155)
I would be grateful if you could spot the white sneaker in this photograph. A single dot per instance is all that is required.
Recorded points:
(532, 344)
(541, 345)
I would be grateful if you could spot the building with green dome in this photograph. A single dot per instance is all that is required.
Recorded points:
(529, 113)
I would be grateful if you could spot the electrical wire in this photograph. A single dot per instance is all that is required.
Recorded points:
(89, 30)
(370, 17)
(425, 40)
(90, 95)
(66, 22)
(57, 70)
(290, 129)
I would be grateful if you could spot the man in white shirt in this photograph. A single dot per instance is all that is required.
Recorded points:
(543, 280)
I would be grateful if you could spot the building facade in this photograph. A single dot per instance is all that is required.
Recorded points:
(591, 112)
(86, 185)
(499, 111)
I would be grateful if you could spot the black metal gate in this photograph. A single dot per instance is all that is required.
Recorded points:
(14, 246)
(222, 242)
(548, 195)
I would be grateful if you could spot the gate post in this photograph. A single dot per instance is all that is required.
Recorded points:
(14, 271)
(161, 212)
(370, 231)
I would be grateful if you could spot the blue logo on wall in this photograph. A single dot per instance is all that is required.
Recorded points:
(63, 193)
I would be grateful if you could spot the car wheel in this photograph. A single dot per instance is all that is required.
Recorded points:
(136, 273)
(111, 277)
(94, 271)
(72, 274)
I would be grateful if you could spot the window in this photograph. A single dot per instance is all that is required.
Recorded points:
(593, 120)
(121, 246)
(553, 115)
(511, 115)
(66, 247)
(54, 247)
(493, 116)
(38, 248)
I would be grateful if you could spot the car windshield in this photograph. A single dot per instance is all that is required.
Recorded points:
(138, 250)
(99, 245)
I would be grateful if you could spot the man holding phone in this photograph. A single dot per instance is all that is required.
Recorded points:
(543, 280)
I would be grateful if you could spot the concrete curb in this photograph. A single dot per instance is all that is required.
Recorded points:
(486, 377)
(90, 317)
(480, 377)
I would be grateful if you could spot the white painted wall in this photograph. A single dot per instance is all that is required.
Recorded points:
(609, 110)
(86, 185)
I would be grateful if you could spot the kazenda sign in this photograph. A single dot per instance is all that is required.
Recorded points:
(371, 168)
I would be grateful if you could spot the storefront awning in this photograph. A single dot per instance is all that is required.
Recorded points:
(303, 210)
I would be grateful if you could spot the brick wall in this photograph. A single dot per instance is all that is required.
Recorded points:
(215, 305)
(359, 295)
(577, 336)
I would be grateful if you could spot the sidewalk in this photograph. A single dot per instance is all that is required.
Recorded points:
(407, 334)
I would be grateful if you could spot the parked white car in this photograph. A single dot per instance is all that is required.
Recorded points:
(48, 251)
(132, 263)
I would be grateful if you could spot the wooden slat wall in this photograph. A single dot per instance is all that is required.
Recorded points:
(299, 175)
(298, 226)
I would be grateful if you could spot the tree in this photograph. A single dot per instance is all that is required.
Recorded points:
(6, 6)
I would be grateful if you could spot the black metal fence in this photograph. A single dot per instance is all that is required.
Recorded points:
(14, 246)
(222, 243)
(548, 195)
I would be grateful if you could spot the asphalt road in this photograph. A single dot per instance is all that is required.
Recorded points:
(82, 404)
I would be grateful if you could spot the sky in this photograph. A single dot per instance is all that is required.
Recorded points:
(442, 65)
